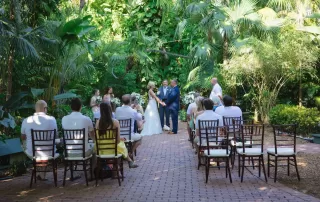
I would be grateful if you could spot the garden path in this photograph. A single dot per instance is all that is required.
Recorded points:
(167, 172)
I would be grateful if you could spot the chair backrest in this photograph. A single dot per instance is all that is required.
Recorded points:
(252, 136)
(285, 136)
(232, 125)
(43, 143)
(217, 138)
(207, 127)
(125, 128)
(106, 141)
(74, 141)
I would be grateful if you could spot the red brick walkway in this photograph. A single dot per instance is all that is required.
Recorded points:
(167, 172)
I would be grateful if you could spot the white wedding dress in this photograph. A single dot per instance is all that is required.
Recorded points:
(152, 123)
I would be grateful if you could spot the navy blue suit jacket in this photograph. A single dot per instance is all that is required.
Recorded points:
(161, 96)
(173, 101)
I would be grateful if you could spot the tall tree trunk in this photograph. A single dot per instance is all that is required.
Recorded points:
(225, 48)
(15, 15)
(82, 4)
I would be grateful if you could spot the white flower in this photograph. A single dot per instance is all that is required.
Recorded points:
(138, 97)
(188, 98)
(116, 101)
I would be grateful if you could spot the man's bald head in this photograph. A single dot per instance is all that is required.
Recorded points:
(41, 106)
(214, 80)
(126, 99)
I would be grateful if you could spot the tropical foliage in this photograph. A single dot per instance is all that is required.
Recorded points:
(263, 52)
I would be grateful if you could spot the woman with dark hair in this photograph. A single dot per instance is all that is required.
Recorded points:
(107, 122)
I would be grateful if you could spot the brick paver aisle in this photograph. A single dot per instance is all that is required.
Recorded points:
(167, 172)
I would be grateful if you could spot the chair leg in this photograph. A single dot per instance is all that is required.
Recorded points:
(135, 152)
(91, 170)
(263, 168)
(275, 168)
(268, 165)
(117, 169)
(218, 163)
(85, 171)
(199, 159)
(259, 166)
(288, 161)
(121, 169)
(243, 162)
(239, 165)
(228, 167)
(296, 165)
(252, 162)
(65, 172)
(32, 178)
(71, 170)
(55, 172)
(207, 169)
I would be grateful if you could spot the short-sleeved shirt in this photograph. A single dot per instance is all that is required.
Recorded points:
(39, 121)
(126, 112)
(191, 107)
(215, 93)
(209, 115)
(232, 111)
(76, 121)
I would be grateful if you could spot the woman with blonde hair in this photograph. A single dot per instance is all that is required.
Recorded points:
(152, 119)
(199, 109)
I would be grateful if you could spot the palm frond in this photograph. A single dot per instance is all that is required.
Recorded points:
(180, 28)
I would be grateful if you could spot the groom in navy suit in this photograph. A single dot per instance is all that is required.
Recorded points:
(163, 95)
(173, 103)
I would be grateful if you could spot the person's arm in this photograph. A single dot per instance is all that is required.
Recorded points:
(90, 128)
(155, 97)
(173, 96)
(23, 130)
(117, 125)
(93, 102)
(137, 116)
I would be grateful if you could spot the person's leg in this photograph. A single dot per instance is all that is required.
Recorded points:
(161, 113)
(137, 138)
(167, 116)
(174, 117)
(41, 175)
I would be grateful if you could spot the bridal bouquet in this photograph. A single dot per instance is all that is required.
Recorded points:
(116, 101)
(188, 98)
(99, 100)
(139, 98)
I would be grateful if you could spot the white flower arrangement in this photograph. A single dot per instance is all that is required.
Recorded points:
(188, 98)
(139, 98)
(116, 101)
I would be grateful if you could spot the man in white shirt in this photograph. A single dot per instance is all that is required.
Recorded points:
(208, 114)
(126, 112)
(228, 110)
(39, 121)
(216, 90)
(77, 121)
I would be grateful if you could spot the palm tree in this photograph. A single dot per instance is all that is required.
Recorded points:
(222, 28)
(16, 41)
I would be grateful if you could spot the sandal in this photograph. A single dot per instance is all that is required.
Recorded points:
(132, 165)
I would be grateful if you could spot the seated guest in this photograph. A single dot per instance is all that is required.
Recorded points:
(190, 116)
(107, 122)
(39, 121)
(208, 114)
(77, 121)
(126, 112)
(228, 110)
(135, 105)
(216, 103)
(199, 109)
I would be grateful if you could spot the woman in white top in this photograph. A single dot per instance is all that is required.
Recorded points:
(152, 119)
(95, 102)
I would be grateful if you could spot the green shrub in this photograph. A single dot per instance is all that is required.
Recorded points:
(306, 118)
(19, 168)
(183, 115)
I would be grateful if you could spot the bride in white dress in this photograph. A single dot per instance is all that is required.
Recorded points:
(152, 123)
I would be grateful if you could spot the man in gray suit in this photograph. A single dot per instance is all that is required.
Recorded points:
(164, 110)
